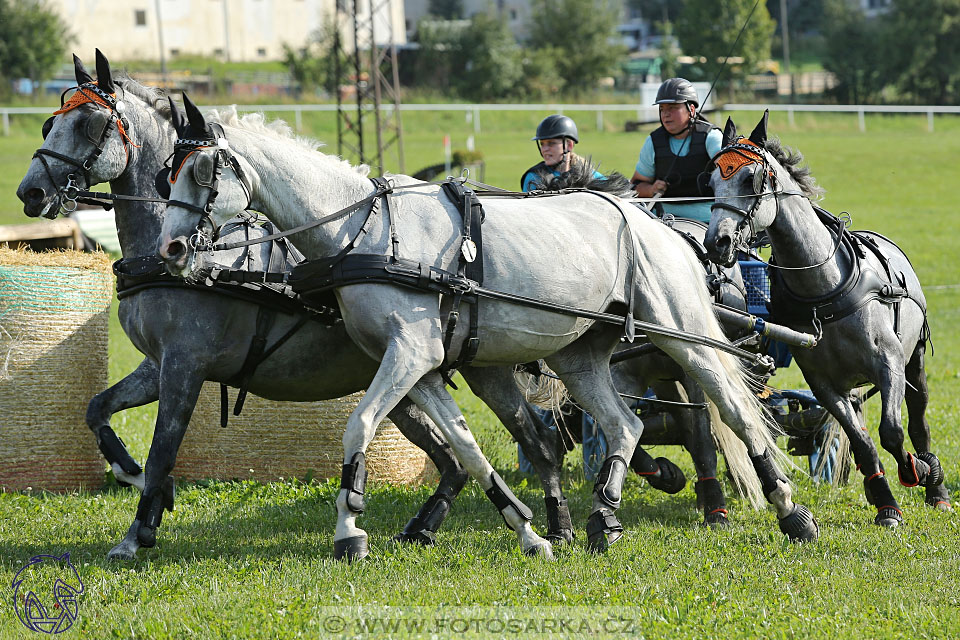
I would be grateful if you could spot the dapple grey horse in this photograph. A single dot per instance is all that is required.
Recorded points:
(627, 263)
(874, 328)
(190, 336)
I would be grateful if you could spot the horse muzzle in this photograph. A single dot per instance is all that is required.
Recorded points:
(37, 202)
(720, 243)
(175, 254)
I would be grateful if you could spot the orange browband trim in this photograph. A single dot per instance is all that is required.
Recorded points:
(81, 97)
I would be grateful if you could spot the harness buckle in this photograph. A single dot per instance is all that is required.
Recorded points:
(212, 276)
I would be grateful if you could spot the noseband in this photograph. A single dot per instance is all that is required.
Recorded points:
(109, 110)
(206, 173)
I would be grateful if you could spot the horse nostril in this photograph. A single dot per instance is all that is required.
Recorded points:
(33, 196)
(173, 250)
(722, 244)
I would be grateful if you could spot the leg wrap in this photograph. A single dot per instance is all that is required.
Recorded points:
(709, 495)
(767, 472)
(501, 496)
(559, 524)
(879, 495)
(422, 526)
(354, 480)
(938, 497)
(603, 529)
(150, 511)
(114, 451)
(609, 486)
(914, 473)
(670, 479)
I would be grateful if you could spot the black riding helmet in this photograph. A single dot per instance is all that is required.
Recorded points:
(677, 90)
(557, 126)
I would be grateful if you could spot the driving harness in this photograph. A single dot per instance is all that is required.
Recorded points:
(861, 285)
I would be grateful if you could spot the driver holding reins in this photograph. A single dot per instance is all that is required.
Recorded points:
(675, 155)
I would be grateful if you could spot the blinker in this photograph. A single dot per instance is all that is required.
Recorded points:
(758, 179)
(161, 183)
(203, 170)
(47, 126)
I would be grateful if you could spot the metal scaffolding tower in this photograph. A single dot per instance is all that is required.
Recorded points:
(371, 70)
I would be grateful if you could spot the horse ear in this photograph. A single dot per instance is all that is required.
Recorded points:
(104, 78)
(176, 118)
(82, 75)
(759, 135)
(195, 118)
(729, 133)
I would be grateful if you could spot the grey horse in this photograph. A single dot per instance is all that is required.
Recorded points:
(628, 264)
(212, 340)
(857, 288)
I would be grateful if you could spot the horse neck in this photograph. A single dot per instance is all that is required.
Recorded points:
(296, 184)
(138, 223)
(799, 239)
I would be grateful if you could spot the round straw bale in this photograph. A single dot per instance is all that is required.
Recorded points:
(270, 440)
(54, 310)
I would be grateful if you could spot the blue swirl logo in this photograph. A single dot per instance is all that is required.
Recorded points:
(46, 594)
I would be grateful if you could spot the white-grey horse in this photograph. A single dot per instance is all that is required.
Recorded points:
(858, 288)
(194, 335)
(577, 250)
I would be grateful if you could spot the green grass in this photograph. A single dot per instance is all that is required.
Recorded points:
(240, 559)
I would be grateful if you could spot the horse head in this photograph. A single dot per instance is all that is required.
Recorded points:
(207, 185)
(87, 141)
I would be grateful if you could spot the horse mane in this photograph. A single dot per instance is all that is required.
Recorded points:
(153, 96)
(581, 176)
(279, 130)
(791, 159)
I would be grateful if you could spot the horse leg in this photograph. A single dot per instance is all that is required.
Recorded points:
(431, 395)
(875, 485)
(699, 442)
(585, 370)
(416, 427)
(140, 387)
(720, 377)
(180, 384)
(543, 446)
(916, 395)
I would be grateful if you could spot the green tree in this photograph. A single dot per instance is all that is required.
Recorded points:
(709, 28)
(314, 65)
(851, 43)
(583, 31)
(33, 41)
(491, 58)
(924, 49)
(658, 12)
(446, 9)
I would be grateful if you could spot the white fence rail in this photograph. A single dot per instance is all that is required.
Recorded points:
(643, 113)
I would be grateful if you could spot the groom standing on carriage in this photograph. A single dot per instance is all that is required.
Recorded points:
(675, 155)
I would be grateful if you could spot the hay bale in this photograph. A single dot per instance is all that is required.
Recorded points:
(54, 311)
(270, 440)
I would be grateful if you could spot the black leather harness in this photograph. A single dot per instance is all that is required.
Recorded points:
(861, 285)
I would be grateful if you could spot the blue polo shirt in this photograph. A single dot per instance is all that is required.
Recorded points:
(531, 181)
(646, 167)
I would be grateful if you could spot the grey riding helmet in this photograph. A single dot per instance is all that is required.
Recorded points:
(677, 90)
(557, 126)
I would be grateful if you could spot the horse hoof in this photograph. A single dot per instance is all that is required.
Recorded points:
(121, 553)
(541, 549)
(671, 478)
(560, 537)
(935, 474)
(888, 517)
(716, 519)
(800, 525)
(603, 530)
(423, 538)
(351, 549)
(939, 498)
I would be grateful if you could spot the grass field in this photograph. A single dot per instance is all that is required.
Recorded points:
(239, 559)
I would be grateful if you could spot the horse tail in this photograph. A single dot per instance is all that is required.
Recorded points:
(744, 478)
(734, 374)
(545, 391)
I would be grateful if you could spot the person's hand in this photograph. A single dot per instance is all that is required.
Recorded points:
(659, 187)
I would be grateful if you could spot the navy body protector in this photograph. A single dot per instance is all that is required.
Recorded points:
(681, 172)
(861, 285)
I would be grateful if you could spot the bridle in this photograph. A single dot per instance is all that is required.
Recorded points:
(729, 161)
(207, 169)
(109, 110)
